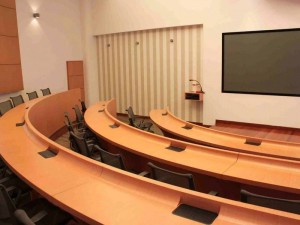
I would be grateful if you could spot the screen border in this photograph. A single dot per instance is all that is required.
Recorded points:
(250, 32)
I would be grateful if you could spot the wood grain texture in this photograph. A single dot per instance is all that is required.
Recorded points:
(8, 3)
(76, 76)
(236, 167)
(8, 22)
(273, 145)
(10, 52)
(75, 68)
(98, 193)
(11, 79)
(259, 131)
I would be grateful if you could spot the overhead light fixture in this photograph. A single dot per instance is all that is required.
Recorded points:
(36, 15)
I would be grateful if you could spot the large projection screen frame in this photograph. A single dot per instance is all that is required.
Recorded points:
(265, 62)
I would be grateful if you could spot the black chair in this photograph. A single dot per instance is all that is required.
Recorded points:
(79, 117)
(134, 123)
(73, 145)
(3, 169)
(292, 206)
(37, 212)
(32, 95)
(89, 138)
(17, 100)
(5, 106)
(170, 177)
(46, 91)
(79, 130)
(84, 148)
(108, 158)
(83, 106)
(17, 189)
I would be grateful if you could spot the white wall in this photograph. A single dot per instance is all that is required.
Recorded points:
(217, 16)
(47, 43)
(90, 54)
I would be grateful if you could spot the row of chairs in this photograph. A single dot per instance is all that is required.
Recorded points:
(83, 141)
(17, 100)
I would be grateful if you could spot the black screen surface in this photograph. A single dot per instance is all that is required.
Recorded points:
(261, 62)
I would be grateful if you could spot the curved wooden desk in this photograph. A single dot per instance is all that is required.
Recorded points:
(99, 194)
(175, 128)
(246, 169)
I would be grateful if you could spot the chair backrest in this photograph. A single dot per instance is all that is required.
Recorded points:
(7, 208)
(131, 116)
(69, 125)
(73, 144)
(32, 95)
(184, 180)
(79, 116)
(292, 206)
(68, 121)
(83, 106)
(17, 100)
(5, 106)
(46, 91)
(114, 160)
(81, 145)
(67, 118)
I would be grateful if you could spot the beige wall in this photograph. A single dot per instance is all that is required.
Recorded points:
(47, 43)
(89, 54)
(217, 16)
(146, 70)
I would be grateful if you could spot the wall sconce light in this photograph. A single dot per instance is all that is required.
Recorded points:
(36, 15)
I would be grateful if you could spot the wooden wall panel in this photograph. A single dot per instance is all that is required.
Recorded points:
(10, 53)
(8, 22)
(11, 79)
(76, 76)
(76, 82)
(75, 68)
(8, 3)
(151, 69)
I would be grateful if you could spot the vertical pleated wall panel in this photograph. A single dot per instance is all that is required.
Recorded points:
(151, 69)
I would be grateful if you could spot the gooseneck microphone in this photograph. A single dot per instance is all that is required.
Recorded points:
(198, 83)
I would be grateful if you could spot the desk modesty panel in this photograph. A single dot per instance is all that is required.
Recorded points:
(180, 129)
(271, 173)
(97, 193)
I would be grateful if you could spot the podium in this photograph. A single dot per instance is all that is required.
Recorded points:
(194, 96)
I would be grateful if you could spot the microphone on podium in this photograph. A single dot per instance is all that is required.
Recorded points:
(198, 84)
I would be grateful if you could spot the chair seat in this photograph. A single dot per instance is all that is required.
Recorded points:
(35, 207)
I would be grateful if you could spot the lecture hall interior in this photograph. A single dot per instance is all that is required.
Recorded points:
(149, 112)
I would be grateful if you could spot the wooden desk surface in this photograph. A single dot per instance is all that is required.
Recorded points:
(100, 194)
(274, 173)
(202, 135)
(152, 146)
